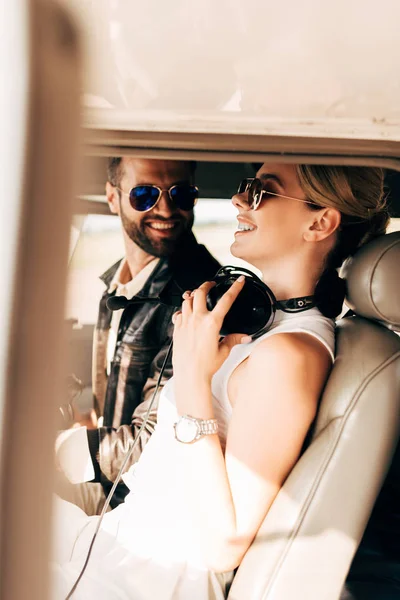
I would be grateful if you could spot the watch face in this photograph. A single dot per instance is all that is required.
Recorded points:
(186, 430)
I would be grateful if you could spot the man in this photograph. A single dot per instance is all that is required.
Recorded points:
(154, 200)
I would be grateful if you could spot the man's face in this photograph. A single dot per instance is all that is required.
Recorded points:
(158, 231)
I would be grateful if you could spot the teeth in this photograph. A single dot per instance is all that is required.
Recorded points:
(162, 225)
(245, 227)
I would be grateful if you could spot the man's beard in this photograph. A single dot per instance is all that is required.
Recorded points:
(139, 234)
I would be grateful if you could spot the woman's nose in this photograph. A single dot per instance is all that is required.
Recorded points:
(240, 201)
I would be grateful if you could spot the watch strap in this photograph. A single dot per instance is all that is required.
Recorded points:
(207, 426)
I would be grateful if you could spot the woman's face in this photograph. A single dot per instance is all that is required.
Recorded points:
(278, 224)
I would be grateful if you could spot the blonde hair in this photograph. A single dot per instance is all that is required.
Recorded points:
(358, 193)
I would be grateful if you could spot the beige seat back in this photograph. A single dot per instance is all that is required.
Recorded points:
(305, 546)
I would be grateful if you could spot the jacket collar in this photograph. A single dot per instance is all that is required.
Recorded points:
(108, 275)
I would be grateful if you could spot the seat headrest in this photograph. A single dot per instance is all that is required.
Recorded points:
(373, 280)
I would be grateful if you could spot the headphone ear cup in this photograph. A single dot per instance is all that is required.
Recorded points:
(252, 311)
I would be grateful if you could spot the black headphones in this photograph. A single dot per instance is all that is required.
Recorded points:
(253, 311)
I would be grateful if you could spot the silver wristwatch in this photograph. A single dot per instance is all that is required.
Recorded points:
(188, 429)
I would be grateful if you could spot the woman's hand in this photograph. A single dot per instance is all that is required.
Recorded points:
(197, 351)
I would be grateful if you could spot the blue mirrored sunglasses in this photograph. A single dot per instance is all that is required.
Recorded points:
(145, 197)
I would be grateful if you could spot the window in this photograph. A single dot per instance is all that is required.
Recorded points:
(100, 245)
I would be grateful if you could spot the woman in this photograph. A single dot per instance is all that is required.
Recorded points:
(194, 508)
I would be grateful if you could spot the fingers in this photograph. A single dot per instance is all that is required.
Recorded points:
(196, 301)
(233, 339)
(177, 317)
(225, 302)
(200, 297)
(182, 316)
(188, 305)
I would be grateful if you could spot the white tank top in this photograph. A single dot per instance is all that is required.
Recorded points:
(311, 322)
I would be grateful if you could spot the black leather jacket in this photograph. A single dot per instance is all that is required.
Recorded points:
(144, 336)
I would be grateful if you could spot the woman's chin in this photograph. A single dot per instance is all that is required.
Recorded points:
(235, 250)
(238, 251)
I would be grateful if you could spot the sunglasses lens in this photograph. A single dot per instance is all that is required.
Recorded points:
(143, 197)
(254, 193)
(184, 196)
(243, 185)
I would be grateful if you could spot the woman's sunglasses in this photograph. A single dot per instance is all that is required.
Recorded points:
(256, 193)
(145, 197)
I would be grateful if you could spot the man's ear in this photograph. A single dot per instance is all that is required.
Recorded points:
(113, 198)
(324, 223)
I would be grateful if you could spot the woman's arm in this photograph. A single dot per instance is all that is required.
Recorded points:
(275, 400)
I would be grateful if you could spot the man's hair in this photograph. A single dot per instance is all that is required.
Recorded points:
(115, 169)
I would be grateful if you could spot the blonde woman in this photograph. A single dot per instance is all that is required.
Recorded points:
(198, 499)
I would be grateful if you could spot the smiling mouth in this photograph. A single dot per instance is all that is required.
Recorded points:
(158, 226)
(245, 227)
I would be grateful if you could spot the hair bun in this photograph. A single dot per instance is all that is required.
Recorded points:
(379, 222)
(329, 293)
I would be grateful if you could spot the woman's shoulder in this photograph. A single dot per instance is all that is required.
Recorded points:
(289, 368)
(285, 365)
(297, 345)
(292, 348)
(317, 331)
(305, 339)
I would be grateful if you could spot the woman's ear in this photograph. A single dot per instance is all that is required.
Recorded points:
(323, 223)
(113, 198)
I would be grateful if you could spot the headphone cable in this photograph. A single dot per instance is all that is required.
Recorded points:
(118, 478)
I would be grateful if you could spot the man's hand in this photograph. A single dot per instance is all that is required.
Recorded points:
(71, 414)
(87, 419)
